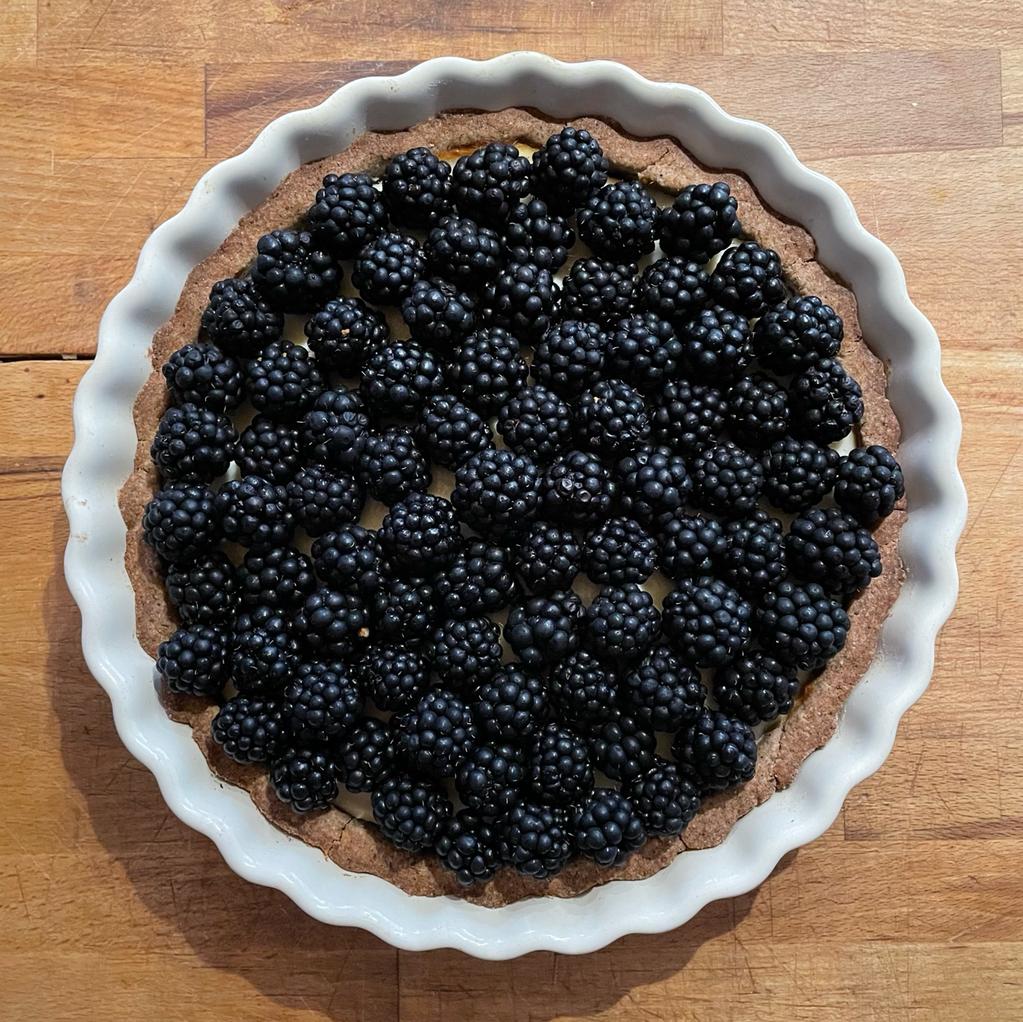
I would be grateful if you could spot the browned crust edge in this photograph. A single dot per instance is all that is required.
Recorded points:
(660, 161)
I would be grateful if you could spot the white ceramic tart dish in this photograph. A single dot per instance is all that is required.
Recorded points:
(894, 671)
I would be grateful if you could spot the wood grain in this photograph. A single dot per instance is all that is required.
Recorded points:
(907, 909)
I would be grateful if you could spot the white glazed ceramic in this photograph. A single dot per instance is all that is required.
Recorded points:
(105, 445)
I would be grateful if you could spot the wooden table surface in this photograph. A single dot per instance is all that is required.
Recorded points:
(910, 907)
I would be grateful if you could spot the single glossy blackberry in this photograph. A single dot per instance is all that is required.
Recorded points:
(254, 513)
(193, 443)
(535, 839)
(547, 557)
(194, 660)
(283, 380)
(203, 591)
(653, 482)
(343, 332)
(798, 473)
(758, 410)
(522, 299)
(623, 747)
(403, 609)
(201, 374)
(620, 221)
(463, 251)
(797, 334)
(689, 545)
(583, 691)
(321, 499)
(394, 677)
(282, 577)
(334, 428)
(570, 357)
(622, 623)
(577, 489)
(707, 621)
(292, 273)
(558, 766)
(238, 320)
(264, 653)
(754, 554)
(181, 521)
(536, 422)
(322, 702)
(437, 734)
(534, 234)
(465, 652)
(755, 688)
(490, 778)
(391, 465)
(827, 546)
(511, 705)
(348, 559)
(663, 691)
(688, 416)
(450, 432)
(437, 313)
(478, 581)
(250, 730)
(599, 291)
(826, 402)
(799, 624)
(398, 377)
(719, 751)
(468, 846)
(545, 629)
(386, 268)
(700, 222)
(488, 183)
(748, 279)
(347, 213)
(496, 491)
(726, 479)
(417, 186)
(620, 550)
(410, 811)
(870, 484)
(673, 289)
(421, 533)
(364, 757)
(304, 779)
(569, 167)
(608, 827)
(330, 622)
(715, 344)
(486, 369)
(665, 799)
(270, 449)
(644, 350)
(612, 418)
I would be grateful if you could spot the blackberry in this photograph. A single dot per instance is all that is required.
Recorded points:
(403, 609)
(386, 268)
(283, 380)
(754, 555)
(612, 418)
(755, 688)
(577, 489)
(249, 730)
(799, 624)
(663, 691)
(304, 779)
(719, 751)
(726, 479)
(688, 416)
(238, 320)
(547, 557)
(437, 734)
(321, 499)
(797, 334)
(700, 222)
(282, 577)
(486, 369)
(421, 532)
(488, 183)
(181, 521)
(748, 279)
(715, 344)
(623, 748)
(666, 800)
(468, 846)
(870, 484)
(827, 546)
(558, 766)
(496, 491)
(522, 299)
(450, 432)
(478, 581)
(826, 402)
(254, 513)
(394, 677)
(644, 350)
(465, 651)
(620, 221)
(622, 623)
(707, 621)
(653, 483)
(410, 811)
(193, 443)
(798, 473)
(584, 690)
(194, 660)
(569, 167)
(269, 449)
(511, 705)
(391, 465)
(334, 429)
(347, 213)
(619, 551)
(689, 545)
(545, 629)
(398, 377)
(348, 559)
(599, 291)
(437, 313)
(331, 622)
(343, 332)
(322, 702)
(536, 422)
(417, 186)
(490, 778)
(292, 274)
(201, 374)
(535, 840)
(533, 234)
(570, 357)
(673, 289)
(608, 827)
(364, 757)
(264, 653)
(203, 591)
(758, 410)
(463, 251)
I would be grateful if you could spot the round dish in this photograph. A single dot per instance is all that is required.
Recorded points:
(105, 443)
